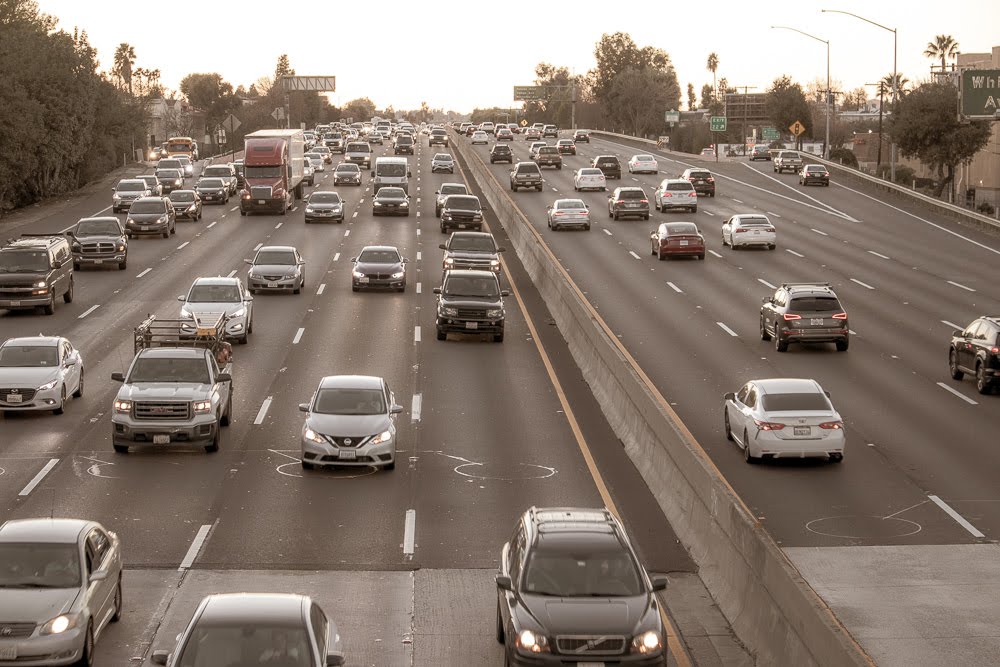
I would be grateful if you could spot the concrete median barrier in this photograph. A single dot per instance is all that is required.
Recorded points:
(772, 609)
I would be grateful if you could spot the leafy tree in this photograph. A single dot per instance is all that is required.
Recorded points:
(640, 96)
(362, 109)
(943, 47)
(558, 108)
(785, 103)
(856, 99)
(124, 61)
(713, 65)
(885, 85)
(925, 126)
(210, 94)
(707, 96)
(692, 98)
(283, 68)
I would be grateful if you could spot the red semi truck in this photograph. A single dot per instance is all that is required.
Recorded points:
(273, 170)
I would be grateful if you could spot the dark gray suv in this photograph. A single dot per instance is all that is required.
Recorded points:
(470, 302)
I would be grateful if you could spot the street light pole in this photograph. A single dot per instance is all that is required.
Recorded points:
(826, 97)
(895, 78)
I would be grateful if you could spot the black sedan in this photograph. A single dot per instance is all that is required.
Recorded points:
(212, 189)
(391, 201)
(814, 173)
(187, 204)
(379, 267)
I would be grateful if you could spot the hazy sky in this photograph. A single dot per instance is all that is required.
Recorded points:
(459, 55)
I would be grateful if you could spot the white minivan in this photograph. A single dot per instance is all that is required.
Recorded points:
(393, 171)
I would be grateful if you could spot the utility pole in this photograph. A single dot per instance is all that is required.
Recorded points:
(826, 145)
(746, 113)
(881, 95)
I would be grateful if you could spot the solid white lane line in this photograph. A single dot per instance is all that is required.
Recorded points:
(632, 252)
(144, 272)
(708, 213)
(39, 477)
(259, 419)
(765, 283)
(773, 213)
(347, 232)
(258, 247)
(419, 256)
(232, 273)
(195, 548)
(722, 325)
(416, 334)
(959, 519)
(415, 406)
(957, 393)
(321, 289)
(675, 287)
(794, 253)
(715, 254)
(212, 224)
(336, 257)
(409, 532)
(865, 285)
(952, 325)
(607, 231)
(88, 311)
(183, 245)
(418, 288)
(819, 231)
(278, 226)
(877, 254)
(967, 289)
(298, 335)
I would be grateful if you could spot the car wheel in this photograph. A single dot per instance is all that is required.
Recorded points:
(953, 366)
(725, 424)
(772, 246)
(763, 330)
(646, 217)
(836, 457)
(780, 344)
(244, 339)
(747, 456)
(842, 345)
(87, 657)
(701, 256)
(122, 265)
(227, 418)
(441, 335)
(513, 188)
(659, 255)
(982, 382)
(62, 402)
(297, 290)
(501, 633)
(354, 288)
(79, 387)
(117, 616)
(389, 466)
(68, 295)
(308, 466)
(498, 338)
(166, 234)
(76, 266)
(121, 449)
(216, 441)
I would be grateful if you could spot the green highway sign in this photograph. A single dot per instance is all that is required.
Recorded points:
(770, 134)
(530, 93)
(671, 116)
(717, 123)
(981, 93)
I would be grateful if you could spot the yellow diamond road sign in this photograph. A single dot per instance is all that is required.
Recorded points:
(797, 128)
(524, 123)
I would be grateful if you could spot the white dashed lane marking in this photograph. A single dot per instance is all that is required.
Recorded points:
(960, 285)
(298, 336)
(722, 325)
(259, 419)
(631, 252)
(88, 311)
(957, 393)
(877, 254)
(675, 288)
(321, 289)
(865, 285)
(794, 253)
(144, 273)
(37, 479)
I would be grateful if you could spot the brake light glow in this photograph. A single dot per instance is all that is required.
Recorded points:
(768, 426)
(710, 179)
(692, 194)
(740, 230)
(840, 316)
(791, 316)
(832, 426)
(643, 201)
(770, 230)
(995, 350)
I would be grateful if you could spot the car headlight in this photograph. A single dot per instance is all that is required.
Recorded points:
(494, 263)
(60, 624)
(116, 197)
(532, 642)
(201, 407)
(121, 247)
(123, 407)
(240, 312)
(358, 274)
(312, 436)
(449, 261)
(449, 311)
(384, 436)
(378, 203)
(162, 218)
(398, 274)
(40, 283)
(49, 385)
(647, 642)
(129, 221)
(310, 209)
(494, 312)
(177, 181)
(405, 203)
(192, 207)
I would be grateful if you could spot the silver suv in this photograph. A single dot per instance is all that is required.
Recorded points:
(212, 296)
(674, 193)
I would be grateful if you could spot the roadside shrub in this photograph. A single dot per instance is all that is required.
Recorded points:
(845, 156)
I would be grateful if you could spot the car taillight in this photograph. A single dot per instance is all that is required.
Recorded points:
(710, 179)
(741, 230)
(995, 350)
(692, 194)
(840, 316)
(643, 201)
(768, 426)
(770, 229)
(666, 194)
(789, 317)
(832, 426)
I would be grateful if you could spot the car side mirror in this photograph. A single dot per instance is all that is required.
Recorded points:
(436, 290)
(504, 582)
(160, 657)
(396, 409)
(69, 232)
(505, 292)
(730, 396)
(354, 259)
(98, 575)
(181, 298)
(827, 394)
(248, 261)
(372, 172)
(406, 260)
(766, 300)
(334, 659)
(223, 377)
(409, 174)
(659, 583)
(303, 407)
(118, 377)
(442, 246)
(958, 334)
(249, 297)
(501, 249)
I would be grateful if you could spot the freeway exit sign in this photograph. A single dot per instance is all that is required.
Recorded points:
(770, 134)
(529, 93)
(717, 123)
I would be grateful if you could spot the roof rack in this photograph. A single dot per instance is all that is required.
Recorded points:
(209, 332)
(821, 285)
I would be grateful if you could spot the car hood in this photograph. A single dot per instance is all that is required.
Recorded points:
(324, 206)
(38, 605)
(21, 279)
(471, 254)
(202, 308)
(271, 269)
(97, 237)
(471, 302)
(27, 377)
(158, 391)
(348, 425)
(378, 267)
(147, 217)
(587, 616)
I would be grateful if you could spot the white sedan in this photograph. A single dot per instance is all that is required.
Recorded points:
(741, 231)
(480, 137)
(643, 164)
(784, 418)
(40, 372)
(568, 213)
(590, 178)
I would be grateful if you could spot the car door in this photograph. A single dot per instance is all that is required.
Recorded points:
(510, 565)
(71, 374)
(100, 593)
(967, 347)
(735, 408)
(727, 229)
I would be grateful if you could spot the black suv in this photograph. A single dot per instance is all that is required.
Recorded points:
(437, 137)
(526, 175)
(501, 153)
(404, 144)
(804, 313)
(35, 270)
(461, 211)
(628, 201)
(702, 180)
(570, 589)
(470, 302)
(608, 164)
(98, 241)
(976, 350)
(471, 250)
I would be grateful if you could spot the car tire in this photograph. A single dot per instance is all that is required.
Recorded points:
(87, 657)
(982, 382)
(166, 234)
(646, 217)
(216, 441)
(953, 366)
(586, 228)
(389, 466)
(355, 288)
(243, 340)
(725, 425)
(501, 633)
(498, 338)
(119, 601)
(836, 457)
(307, 466)
(763, 330)
(120, 449)
(297, 290)
(747, 456)
(62, 402)
(227, 419)
(842, 345)
(68, 294)
(660, 256)
(513, 188)
(79, 386)
(780, 344)
(122, 265)
(441, 335)
(76, 266)
(701, 256)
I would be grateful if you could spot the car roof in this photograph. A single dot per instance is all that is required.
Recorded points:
(380, 247)
(788, 386)
(744, 217)
(43, 530)
(133, 181)
(34, 341)
(216, 280)
(455, 235)
(568, 200)
(809, 288)
(155, 198)
(562, 519)
(469, 273)
(173, 352)
(105, 218)
(629, 188)
(350, 382)
(248, 608)
(277, 247)
(460, 185)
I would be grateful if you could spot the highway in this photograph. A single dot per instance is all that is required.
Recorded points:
(403, 560)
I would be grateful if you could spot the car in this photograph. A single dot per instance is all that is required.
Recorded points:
(391, 201)
(464, 127)
(548, 156)
(538, 126)
(347, 173)
(324, 205)
(677, 239)
(566, 147)
(99, 241)
(702, 180)
(470, 302)
(487, 127)
(526, 175)
(480, 137)
(442, 194)
(127, 191)
(35, 270)
(443, 162)
(360, 153)
(707, 152)
(187, 164)
(461, 211)
(550, 131)
(674, 193)
(224, 171)
(212, 190)
(814, 173)
(570, 588)
(316, 160)
(308, 173)
(533, 148)
(39, 373)
(155, 187)
(325, 152)
(590, 178)
(335, 142)
(375, 137)
(504, 134)
(784, 418)
(628, 201)
(60, 587)
(581, 136)
(609, 165)
(501, 153)
(256, 629)
(804, 313)
(169, 163)
(568, 213)
(786, 161)
(350, 421)
(379, 267)
(532, 134)
(402, 144)
(151, 215)
(471, 250)
(186, 203)
(276, 267)
(643, 164)
(437, 137)
(759, 152)
(749, 229)
(976, 350)
(216, 295)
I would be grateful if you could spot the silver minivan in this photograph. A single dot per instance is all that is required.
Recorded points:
(393, 171)
(360, 153)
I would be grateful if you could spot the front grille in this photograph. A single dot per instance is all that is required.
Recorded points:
(471, 314)
(25, 393)
(97, 248)
(351, 442)
(155, 410)
(15, 292)
(260, 192)
(16, 630)
(590, 644)
(272, 279)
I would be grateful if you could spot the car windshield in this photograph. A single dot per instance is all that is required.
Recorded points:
(577, 572)
(24, 262)
(570, 203)
(391, 170)
(324, 198)
(471, 286)
(404, 139)
(94, 227)
(682, 228)
(797, 401)
(245, 645)
(29, 356)
(453, 190)
(182, 196)
(443, 157)
(148, 207)
(472, 243)
(379, 257)
(165, 369)
(44, 565)
(167, 173)
(217, 171)
(345, 401)
(358, 148)
(286, 257)
(169, 164)
(207, 293)
(210, 183)
(463, 203)
(131, 186)
(263, 172)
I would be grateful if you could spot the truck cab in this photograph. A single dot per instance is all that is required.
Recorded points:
(273, 171)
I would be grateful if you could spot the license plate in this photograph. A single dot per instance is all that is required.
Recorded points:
(472, 325)
(98, 261)
(348, 456)
(261, 202)
(801, 430)
(590, 664)
(161, 439)
(15, 303)
(816, 321)
(366, 279)
(14, 398)
(8, 652)
(272, 285)
(145, 228)
(755, 232)
(684, 242)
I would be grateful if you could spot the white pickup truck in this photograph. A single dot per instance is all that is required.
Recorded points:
(787, 161)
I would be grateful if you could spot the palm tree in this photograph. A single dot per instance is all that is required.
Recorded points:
(901, 83)
(124, 59)
(713, 65)
(943, 47)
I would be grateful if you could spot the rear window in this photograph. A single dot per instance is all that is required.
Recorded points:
(699, 174)
(548, 150)
(754, 222)
(824, 304)
(631, 194)
(527, 169)
(607, 161)
(359, 148)
(453, 190)
(798, 401)
(682, 228)
(684, 187)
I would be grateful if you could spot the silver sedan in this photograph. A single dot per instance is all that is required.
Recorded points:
(276, 267)
(568, 213)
